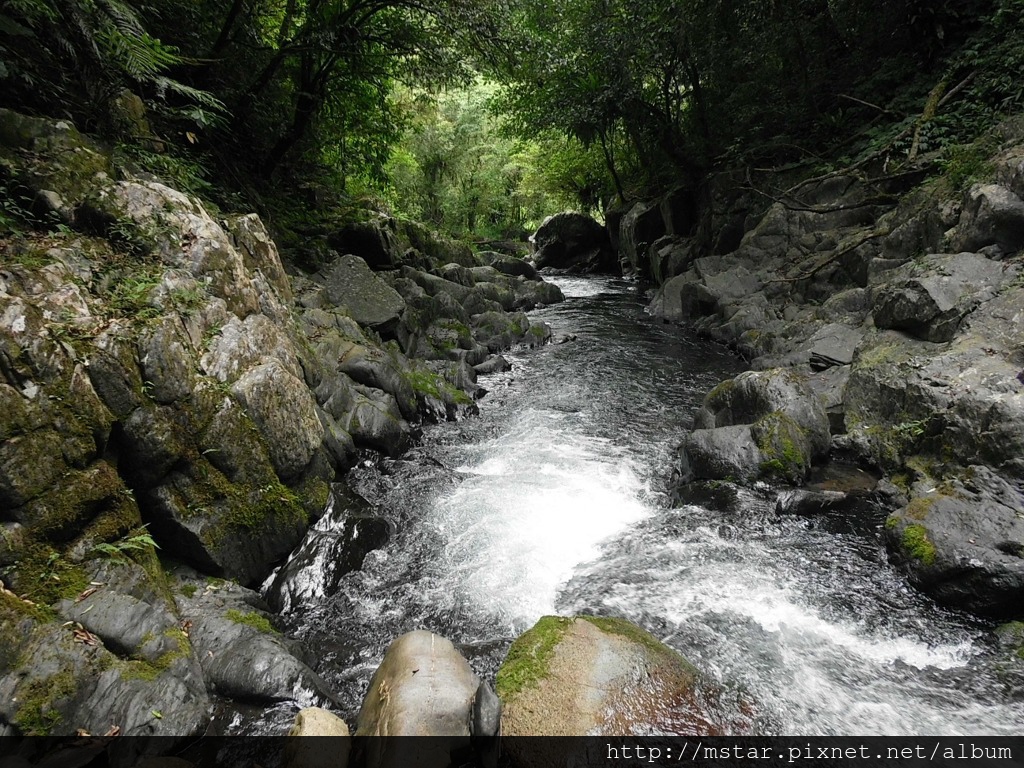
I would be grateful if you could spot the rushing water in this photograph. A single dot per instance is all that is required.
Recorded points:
(554, 500)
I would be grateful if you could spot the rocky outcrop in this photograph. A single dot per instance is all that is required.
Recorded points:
(904, 324)
(573, 242)
(587, 675)
(166, 388)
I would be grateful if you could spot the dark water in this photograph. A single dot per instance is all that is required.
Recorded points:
(554, 500)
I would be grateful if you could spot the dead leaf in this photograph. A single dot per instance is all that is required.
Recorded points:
(114, 730)
(86, 593)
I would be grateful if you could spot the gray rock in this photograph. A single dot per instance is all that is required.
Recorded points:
(284, 411)
(335, 546)
(641, 226)
(372, 242)
(722, 453)
(573, 242)
(964, 543)
(493, 364)
(423, 687)
(242, 656)
(931, 307)
(348, 282)
(834, 345)
(800, 501)
(992, 214)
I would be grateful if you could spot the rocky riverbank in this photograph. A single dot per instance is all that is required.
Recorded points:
(174, 406)
(883, 320)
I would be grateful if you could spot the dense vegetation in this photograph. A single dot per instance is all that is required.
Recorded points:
(480, 116)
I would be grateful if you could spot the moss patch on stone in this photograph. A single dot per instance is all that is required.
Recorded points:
(37, 715)
(529, 657)
(917, 545)
(779, 437)
(251, 619)
(639, 636)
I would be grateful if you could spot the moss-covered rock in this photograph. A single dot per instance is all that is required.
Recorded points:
(589, 675)
(962, 541)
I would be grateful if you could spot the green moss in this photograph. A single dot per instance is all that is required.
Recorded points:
(188, 590)
(918, 508)
(777, 436)
(529, 656)
(721, 392)
(917, 545)
(37, 715)
(254, 620)
(431, 385)
(46, 577)
(892, 522)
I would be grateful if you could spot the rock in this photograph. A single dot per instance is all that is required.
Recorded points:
(423, 687)
(799, 501)
(493, 364)
(963, 543)
(515, 267)
(668, 302)
(371, 302)
(760, 423)
(320, 752)
(932, 307)
(284, 411)
(335, 546)
(640, 227)
(992, 214)
(259, 252)
(371, 241)
(375, 421)
(574, 242)
(603, 676)
(242, 655)
(834, 345)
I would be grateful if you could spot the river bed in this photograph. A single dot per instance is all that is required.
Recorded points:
(556, 499)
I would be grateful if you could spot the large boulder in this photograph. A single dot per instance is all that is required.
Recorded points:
(585, 675)
(962, 541)
(992, 215)
(424, 687)
(371, 241)
(760, 424)
(931, 306)
(575, 242)
(370, 301)
(639, 229)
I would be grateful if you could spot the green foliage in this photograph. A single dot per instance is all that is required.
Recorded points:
(528, 658)
(138, 540)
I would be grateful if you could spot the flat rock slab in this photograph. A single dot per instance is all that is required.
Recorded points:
(373, 303)
(834, 345)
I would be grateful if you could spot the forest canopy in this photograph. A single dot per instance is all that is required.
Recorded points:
(480, 116)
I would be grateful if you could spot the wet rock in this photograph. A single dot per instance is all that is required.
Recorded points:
(799, 501)
(573, 242)
(243, 657)
(639, 228)
(375, 421)
(602, 676)
(423, 687)
(514, 267)
(494, 364)
(961, 542)
(760, 423)
(371, 302)
(334, 547)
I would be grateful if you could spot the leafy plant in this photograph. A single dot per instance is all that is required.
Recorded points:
(137, 541)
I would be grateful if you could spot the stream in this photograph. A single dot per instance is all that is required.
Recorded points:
(556, 500)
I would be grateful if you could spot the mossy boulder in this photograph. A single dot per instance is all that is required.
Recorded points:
(588, 675)
(767, 424)
(962, 542)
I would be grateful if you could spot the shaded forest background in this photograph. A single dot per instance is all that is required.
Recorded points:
(482, 116)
